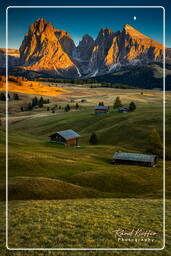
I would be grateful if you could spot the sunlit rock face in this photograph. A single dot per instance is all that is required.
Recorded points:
(131, 46)
(53, 51)
(44, 49)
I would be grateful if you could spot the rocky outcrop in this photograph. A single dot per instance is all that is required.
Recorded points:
(66, 41)
(102, 45)
(85, 48)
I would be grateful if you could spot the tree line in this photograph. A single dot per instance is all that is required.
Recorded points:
(35, 103)
(9, 97)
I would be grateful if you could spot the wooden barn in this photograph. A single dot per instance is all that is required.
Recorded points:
(134, 159)
(101, 110)
(67, 137)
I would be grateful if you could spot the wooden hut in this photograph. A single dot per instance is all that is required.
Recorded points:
(134, 159)
(67, 137)
(123, 109)
(101, 110)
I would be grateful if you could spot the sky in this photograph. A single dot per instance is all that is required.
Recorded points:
(80, 21)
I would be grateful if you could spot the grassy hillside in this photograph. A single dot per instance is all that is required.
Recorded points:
(89, 167)
(92, 222)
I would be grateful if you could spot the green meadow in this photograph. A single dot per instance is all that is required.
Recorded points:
(78, 189)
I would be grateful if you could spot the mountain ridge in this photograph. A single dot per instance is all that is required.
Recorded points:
(52, 51)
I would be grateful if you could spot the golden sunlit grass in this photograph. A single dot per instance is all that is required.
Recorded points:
(88, 223)
(32, 87)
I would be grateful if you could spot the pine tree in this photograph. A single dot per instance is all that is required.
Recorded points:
(35, 100)
(155, 143)
(93, 139)
(117, 103)
(16, 97)
(132, 106)
(29, 106)
(2, 96)
(67, 108)
(40, 102)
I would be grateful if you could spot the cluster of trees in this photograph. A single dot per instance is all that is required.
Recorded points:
(36, 102)
(3, 96)
(68, 107)
(118, 103)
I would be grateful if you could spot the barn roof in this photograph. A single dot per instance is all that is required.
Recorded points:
(68, 134)
(134, 157)
(101, 108)
(123, 108)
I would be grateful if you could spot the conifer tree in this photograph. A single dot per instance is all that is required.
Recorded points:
(2, 96)
(117, 103)
(155, 144)
(93, 139)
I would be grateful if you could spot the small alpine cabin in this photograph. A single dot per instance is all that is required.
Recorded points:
(101, 110)
(123, 109)
(134, 159)
(66, 137)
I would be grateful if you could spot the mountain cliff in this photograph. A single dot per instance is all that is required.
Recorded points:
(50, 50)
(129, 46)
(44, 49)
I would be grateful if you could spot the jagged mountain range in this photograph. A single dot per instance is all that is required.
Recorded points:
(52, 51)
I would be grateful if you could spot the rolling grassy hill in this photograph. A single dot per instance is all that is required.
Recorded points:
(104, 196)
(32, 155)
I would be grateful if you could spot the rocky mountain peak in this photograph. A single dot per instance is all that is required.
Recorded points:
(85, 47)
(86, 40)
(42, 49)
(104, 34)
(49, 49)
(39, 26)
